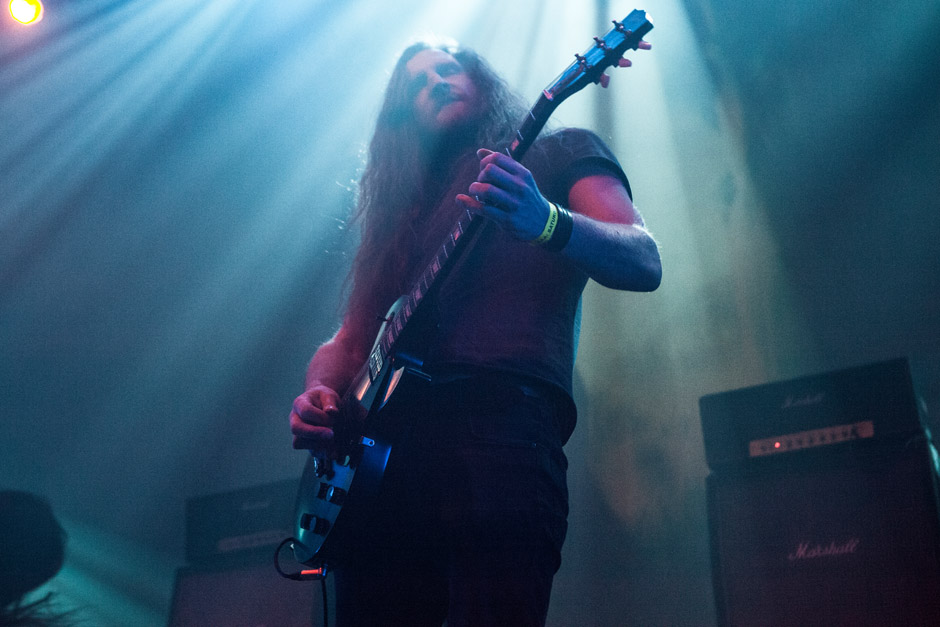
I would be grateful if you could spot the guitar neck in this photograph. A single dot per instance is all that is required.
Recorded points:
(532, 125)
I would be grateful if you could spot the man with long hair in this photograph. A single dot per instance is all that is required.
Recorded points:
(470, 520)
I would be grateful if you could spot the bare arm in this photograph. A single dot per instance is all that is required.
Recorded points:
(609, 241)
(337, 361)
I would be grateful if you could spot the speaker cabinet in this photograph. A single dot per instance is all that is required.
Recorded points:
(850, 539)
(227, 525)
(243, 595)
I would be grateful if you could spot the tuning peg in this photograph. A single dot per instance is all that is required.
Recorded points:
(621, 28)
(604, 79)
(600, 43)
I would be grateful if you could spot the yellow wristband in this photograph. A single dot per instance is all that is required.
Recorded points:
(550, 225)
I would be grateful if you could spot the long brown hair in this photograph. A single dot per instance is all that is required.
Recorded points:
(395, 183)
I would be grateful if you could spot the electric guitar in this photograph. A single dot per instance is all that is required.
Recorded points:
(335, 493)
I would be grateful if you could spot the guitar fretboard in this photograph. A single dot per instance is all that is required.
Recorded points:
(465, 225)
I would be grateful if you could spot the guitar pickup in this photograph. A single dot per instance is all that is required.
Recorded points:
(375, 363)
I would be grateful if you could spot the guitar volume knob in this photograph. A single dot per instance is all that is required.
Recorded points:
(335, 495)
(314, 524)
(322, 467)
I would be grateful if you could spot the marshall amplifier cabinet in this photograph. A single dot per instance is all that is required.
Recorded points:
(846, 407)
(230, 524)
(242, 594)
(822, 502)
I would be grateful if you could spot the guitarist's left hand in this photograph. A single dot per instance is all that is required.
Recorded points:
(506, 193)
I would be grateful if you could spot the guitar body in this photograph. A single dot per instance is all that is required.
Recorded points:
(337, 494)
(333, 502)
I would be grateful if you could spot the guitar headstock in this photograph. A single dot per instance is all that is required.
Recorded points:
(588, 68)
(605, 52)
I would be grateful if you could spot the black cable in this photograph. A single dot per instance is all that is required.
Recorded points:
(277, 561)
(301, 575)
(304, 575)
(326, 612)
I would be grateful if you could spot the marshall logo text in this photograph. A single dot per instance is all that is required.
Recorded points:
(803, 401)
(807, 551)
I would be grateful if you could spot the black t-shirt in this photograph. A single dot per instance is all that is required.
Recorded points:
(510, 306)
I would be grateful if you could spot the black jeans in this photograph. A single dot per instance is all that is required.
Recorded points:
(472, 513)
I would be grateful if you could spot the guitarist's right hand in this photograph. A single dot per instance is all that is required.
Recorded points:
(313, 418)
